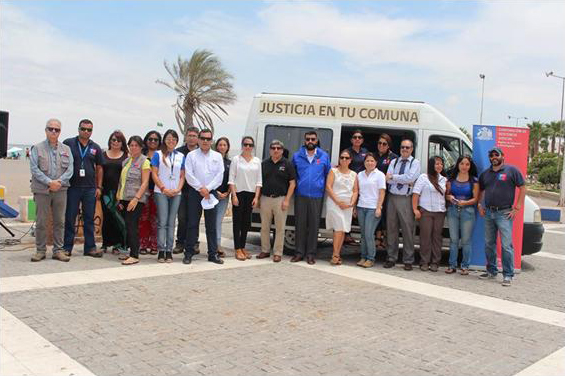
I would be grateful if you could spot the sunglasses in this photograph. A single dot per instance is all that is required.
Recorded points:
(83, 129)
(153, 139)
(311, 139)
(53, 130)
(357, 137)
(406, 147)
(344, 157)
(248, 145)
(115, 140)
(494, 155)
(205, 138)
(276, 148)
(383, 143)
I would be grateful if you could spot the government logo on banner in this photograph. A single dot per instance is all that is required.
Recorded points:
(484, 134)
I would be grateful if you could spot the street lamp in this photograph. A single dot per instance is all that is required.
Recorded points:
(482, 77)
(517, 118)
(562, 185)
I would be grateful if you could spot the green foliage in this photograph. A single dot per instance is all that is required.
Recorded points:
(549, 175)
(546, 167)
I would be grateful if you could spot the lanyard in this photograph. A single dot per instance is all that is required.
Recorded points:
(82, 153)
(172, 160)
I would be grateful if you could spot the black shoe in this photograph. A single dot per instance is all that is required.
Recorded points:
(216, 260)
(179, 248)
(408, 267)
(187, 260)
(168, 257)
(161, 256)
(388, 264)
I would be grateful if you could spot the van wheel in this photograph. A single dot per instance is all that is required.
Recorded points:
(289, 242)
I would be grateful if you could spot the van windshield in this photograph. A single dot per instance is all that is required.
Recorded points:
(293, 138)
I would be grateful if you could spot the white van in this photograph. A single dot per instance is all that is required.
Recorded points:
(287, 117)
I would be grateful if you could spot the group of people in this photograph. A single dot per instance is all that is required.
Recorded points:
(143, 179)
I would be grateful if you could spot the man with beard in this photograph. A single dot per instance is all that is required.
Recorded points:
(497, 186)
(312, 166)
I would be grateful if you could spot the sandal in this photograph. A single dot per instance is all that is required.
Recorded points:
(336, 260)
(449, 271)
(464, 271)
(130, 261)
(153, 251)
(143, 251)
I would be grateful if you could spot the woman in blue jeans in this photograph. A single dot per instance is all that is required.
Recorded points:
(462, 193)
(167, 167)
(223, 191)
(372, 188)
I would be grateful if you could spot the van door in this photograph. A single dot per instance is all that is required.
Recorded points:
(445, 146)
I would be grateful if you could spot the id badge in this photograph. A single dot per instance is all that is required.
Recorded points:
(82, 173)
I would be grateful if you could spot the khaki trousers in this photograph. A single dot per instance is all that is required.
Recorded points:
(52, 204)
(271, 207)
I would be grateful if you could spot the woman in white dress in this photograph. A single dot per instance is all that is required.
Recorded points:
(342, 189)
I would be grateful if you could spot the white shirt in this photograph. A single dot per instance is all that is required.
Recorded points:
(169, 172)
(430, 198)
(204, 170)
(245, 175)
(369, 188)
(407, 179)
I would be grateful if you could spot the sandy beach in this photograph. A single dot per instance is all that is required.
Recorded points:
(15, 176)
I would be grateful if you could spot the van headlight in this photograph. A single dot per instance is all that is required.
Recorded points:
(537, 215)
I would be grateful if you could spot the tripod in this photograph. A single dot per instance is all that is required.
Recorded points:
(6, 228)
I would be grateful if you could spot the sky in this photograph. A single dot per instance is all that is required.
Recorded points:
(100, 59)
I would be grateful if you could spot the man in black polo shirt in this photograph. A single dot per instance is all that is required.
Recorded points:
(190, 144)
(279, 181)
(497, 186)
(358, 152)
(85, 189)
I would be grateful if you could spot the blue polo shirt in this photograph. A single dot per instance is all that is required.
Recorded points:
(500, 186)
(92, 157)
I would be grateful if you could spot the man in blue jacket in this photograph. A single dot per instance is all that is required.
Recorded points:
(312, 165)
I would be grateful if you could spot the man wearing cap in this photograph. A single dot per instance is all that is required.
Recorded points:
(51, 164)
(497, 187)
(279, 180)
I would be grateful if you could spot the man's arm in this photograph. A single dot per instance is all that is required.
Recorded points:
(68, 174)
(35, 171)
(409, 177)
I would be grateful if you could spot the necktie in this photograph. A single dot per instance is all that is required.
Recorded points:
(402, 168)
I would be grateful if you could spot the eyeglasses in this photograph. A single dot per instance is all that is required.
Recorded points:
(248, 145)
(383, 143)
(406, 147)
(276, 148)
(52, 130)
(84, 129)
(205, 138)
(115, 140)
(344, 157)
(357, 137)
(311, 139)
(153, 139)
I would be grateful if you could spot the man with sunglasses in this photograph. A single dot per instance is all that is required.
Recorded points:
(279, 181)
(204, 172)
(401, 175)
(497, 186)
(190, 144)
(312, 166)
(85, 189)
(51, 165)
(357, 151)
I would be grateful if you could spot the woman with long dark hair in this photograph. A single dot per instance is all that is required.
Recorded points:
(167, 165)
(222, 146)
(428, 203)
(462, 195)
(147, 222)
(245, 182)
(112, 225)
(132, 194)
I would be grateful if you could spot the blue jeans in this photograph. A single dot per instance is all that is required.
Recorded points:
(75, 196)
(167, 208)
(460, 218)
(498, 221)
(221, 207)
(368, 223)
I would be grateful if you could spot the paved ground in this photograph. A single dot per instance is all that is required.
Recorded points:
(257, 317)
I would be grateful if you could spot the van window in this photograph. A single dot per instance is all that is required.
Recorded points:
(467, 150)
(445, 147)
(293, 138)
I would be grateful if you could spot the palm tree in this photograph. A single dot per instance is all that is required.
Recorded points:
(536, 128)
(555, 130)
(203, 88)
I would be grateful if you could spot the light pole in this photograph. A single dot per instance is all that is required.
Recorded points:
(482, 77)
(562, 184)
(517, 118)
